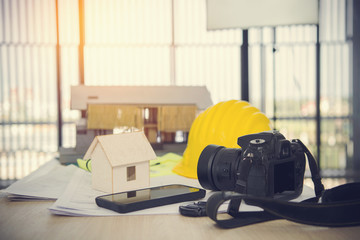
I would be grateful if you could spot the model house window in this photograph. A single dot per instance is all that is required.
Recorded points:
(131, 194)
(131, 173)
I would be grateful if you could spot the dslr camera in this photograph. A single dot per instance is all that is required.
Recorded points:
(266, 165)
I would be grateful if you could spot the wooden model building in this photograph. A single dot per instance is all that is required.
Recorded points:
(120, 162)
(160, 111)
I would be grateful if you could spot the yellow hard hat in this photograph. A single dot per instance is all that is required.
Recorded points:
(220, 124)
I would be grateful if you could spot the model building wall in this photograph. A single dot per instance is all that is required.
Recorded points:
(164, 119)
(110, 116)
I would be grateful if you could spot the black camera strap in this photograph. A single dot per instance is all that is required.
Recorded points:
(315, 174)
(339, 206)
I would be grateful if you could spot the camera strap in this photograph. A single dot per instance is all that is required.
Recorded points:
(339, 206)
(315, 174)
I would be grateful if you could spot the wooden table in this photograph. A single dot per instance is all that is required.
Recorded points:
(32, 220)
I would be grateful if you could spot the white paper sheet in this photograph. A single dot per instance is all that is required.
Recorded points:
(79, 198)
(71, 187)
(46, 183)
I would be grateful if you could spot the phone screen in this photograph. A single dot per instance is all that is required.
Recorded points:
(149, 194)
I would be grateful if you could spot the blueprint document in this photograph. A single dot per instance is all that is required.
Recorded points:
(78, 198)
(46, 183)
(71, 187)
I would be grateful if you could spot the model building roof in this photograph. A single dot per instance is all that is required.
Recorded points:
(82, 95)
(124, 148)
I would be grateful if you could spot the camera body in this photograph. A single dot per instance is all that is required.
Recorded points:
(266, 165)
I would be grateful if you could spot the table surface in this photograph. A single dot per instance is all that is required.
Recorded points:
(32, 220)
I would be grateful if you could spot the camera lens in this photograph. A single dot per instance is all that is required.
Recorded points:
(217, 167)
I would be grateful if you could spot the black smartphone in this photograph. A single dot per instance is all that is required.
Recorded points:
(125, 202)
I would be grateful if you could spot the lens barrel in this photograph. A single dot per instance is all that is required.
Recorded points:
(217, 167)
(205, 164)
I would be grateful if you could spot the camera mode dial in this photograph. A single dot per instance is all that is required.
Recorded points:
(257, 142)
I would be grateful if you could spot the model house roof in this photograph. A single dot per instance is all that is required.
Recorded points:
(123, 149)
(82, 95)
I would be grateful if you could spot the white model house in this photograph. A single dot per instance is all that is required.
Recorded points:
(120, 162)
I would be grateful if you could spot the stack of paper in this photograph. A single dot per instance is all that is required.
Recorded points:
(78, 198)
(46, 183)
(71, 187)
